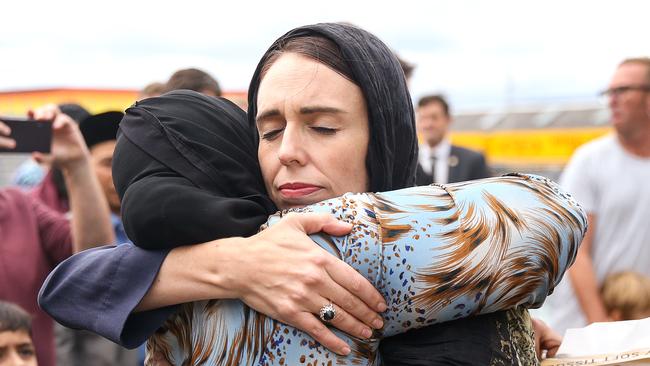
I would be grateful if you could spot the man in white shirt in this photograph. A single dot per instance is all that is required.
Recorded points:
(610, 178)
(439, 160)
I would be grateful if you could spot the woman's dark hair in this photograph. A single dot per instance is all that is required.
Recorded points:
(366, 61)
(13, 318)
(317, 48)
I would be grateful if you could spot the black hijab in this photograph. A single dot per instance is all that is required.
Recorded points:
(392, 149)
(185, 167)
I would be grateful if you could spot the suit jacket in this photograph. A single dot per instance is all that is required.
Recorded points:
(464, 164)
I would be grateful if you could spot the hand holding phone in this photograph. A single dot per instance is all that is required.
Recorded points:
(6, 142)
(68, 148)
(25, 135)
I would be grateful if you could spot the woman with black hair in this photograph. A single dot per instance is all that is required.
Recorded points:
(328, 125)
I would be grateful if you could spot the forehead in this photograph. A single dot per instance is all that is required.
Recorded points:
(103, 149)
(8, 338)
(430, 108)
(294, 78)
(631, 73)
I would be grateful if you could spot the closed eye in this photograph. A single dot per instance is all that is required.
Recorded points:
(272, 134)
(324, 130)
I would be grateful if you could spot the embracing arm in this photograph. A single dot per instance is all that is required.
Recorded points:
(98, 289)
(439, 253)
(283, 273)
(280, 273)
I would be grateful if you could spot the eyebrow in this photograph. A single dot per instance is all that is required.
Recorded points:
(304, 110)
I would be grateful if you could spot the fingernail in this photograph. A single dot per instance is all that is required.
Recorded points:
(346, 351)
(381, 307)
(366, 333)
(377, 324)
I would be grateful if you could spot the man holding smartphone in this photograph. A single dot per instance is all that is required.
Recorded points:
(35, 238)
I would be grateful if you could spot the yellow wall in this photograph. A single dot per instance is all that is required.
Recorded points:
(522, 147)
(94, 100)
(515, 147)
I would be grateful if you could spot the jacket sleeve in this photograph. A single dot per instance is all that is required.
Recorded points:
(98, 289)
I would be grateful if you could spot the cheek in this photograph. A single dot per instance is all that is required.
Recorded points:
(349, 167)
(267, 166)
(105, 176)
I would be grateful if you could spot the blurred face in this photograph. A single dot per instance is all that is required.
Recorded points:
(101, 156)
(630, 108)
(432, 123)
(16, 349)
(313, 128)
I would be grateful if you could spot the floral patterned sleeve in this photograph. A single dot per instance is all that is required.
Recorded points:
(437, 253)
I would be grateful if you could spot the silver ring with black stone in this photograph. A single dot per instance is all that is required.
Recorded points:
(327, 313)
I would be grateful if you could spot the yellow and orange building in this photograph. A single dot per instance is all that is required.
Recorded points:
(17, 103)
(539, 139)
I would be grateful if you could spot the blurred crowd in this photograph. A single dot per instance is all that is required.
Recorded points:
(64, 202)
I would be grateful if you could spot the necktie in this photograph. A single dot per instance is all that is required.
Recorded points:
(433, 168)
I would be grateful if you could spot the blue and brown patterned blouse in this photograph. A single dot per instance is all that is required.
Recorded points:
(437, 253)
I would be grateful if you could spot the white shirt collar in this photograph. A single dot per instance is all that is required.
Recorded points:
(440, 151)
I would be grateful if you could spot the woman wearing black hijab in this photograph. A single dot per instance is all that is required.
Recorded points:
(379, 157)
(192, 136)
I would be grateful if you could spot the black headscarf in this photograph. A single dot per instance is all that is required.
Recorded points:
(185, 167)
(392, 149)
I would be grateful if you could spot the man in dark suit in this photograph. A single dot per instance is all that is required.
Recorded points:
(439, 161)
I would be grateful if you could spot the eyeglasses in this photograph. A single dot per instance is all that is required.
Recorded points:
(620, 90)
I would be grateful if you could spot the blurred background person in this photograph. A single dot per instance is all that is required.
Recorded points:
(151, 90)
(438, 160)
(194, 79)
(81, 348)
(100, 134)
(36, 238)
(610, 178)
(626, 296)
(16, 345)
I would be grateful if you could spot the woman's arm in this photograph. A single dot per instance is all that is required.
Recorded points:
(443, 253)
(278, 272)
(98, 289)
(436, 253)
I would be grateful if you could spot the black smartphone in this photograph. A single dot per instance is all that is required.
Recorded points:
(30, 135)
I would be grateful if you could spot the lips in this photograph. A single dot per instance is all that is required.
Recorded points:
(296, 190)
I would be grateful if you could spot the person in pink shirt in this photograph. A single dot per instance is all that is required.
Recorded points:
(36, 238)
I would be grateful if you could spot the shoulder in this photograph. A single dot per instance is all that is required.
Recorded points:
(593, 155)
(16, 205)
(465, 152)
(604, 145)
(13, 197)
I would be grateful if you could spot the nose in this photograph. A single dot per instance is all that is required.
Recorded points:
(612, 100)
(292, 146)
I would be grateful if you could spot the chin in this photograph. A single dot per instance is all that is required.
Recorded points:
(298, 203)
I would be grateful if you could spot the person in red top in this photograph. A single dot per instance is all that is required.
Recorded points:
(36, 238)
